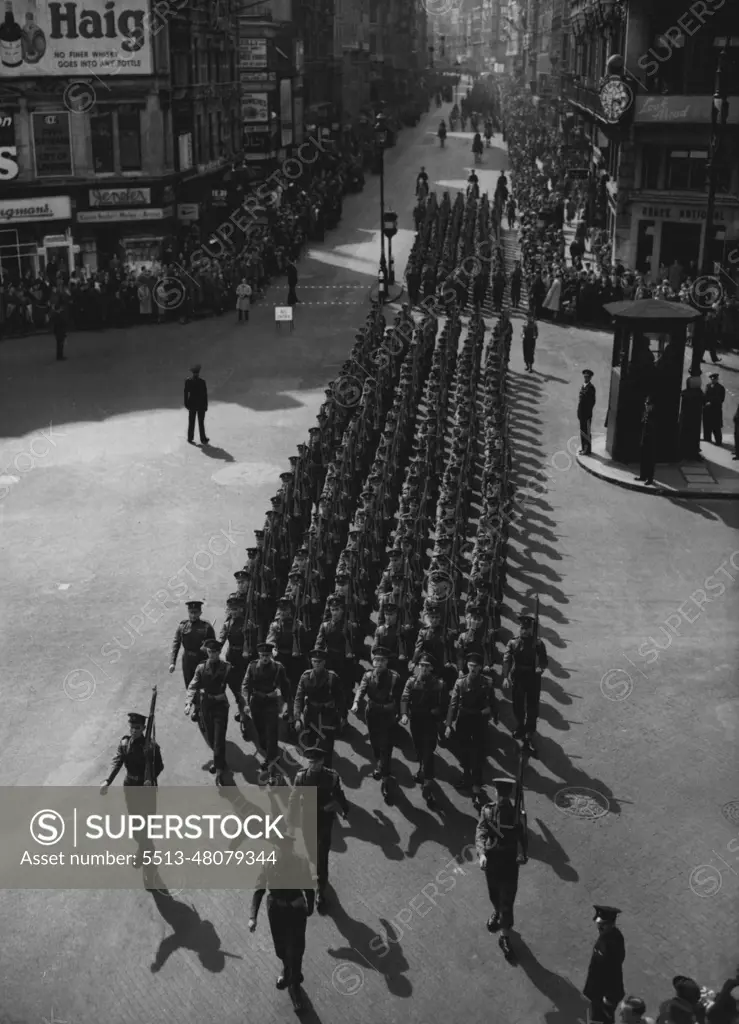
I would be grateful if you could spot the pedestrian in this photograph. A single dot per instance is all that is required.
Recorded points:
(631, 1010)
(379, 690)
(196, 403)
(648, 443)
(516, 282)
(292, 281)
(330, 800)
(713, 410)
(288, 911)
(604, 985)
(585, 406)
(208, 704)
(553, 299)
(685, 1006)
(137, 758)
(511, 213)
(471, 707)
(243, 299)
(524, 662)
(59, 312)
(501, 850)
(689, 421)
(265, 690)
(736, 434)
(421, 706)
(529, 335)
(190, 635)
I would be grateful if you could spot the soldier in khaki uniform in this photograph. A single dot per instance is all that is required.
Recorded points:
(190, 635)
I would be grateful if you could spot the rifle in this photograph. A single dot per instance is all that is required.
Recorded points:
(150, 771)
(520, 809)
(246, 649)
(296, 625)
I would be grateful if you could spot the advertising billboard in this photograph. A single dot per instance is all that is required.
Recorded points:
(52, 144)
(8, 150)
(73, 38)
(255, 106)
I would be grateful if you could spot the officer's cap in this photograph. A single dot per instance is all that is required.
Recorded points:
(426, 659)
(389, 606)
(212, 645)
(285, 603)
(336, 601)
(474, 656)
(293, 460)
(608, 914)
(526, 618)
(319, 653)
(381, 652)
(252, 552)
(242, 574)
(314, 753)
(196, 368)
(134, 718)
(194, 604)
(587, 373)
(504, 785)
(303, 550)
(264, 648)
(235, 599)
(713, 376)
(286, 476)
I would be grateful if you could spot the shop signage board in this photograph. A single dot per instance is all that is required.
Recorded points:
(120, 216)
(255, 106)
(8, 150)
(252, 53)
(120, 196)
(93, 38)
(686, 214)
(23, 211)
(52, 144)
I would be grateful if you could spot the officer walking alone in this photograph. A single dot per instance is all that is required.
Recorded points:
(196, 403)
(501, 849)
(331, 799)
(604, 986)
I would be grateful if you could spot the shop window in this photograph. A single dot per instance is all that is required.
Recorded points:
(651, 161)
(129, 138)
(103, 152)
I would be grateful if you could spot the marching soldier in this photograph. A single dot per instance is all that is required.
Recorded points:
(524, 661)
(381, 689)
(500, 844)
(476, 635)
(232, 632)
(288, 911)
(207, 702)
(132, 756)
(190, 635)
(287, 636)
(393, 637)
(319, 704)
(336, 638)
(604, 986)
(421, 705)
(331, 799)
(471, 706)
(264, 692)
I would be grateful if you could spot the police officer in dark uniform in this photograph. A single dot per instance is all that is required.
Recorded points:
(500, 844)
(471, 707)
(319, 704)
(232, 632)
(131, 755)
(421, 705)
(585, 406)
(524, 662)
(288, 911)
(190, 635)
(381, 689)
(207, 701)
(331, 799)
(196, 403)
(604, 986)
(264, 691)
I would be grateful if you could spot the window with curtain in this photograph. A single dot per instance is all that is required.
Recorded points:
(103, 152)
(129, 138)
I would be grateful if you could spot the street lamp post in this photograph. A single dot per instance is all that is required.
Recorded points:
(719, 118)
(380, 139)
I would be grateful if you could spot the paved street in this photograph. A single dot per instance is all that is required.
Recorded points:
(627, 806)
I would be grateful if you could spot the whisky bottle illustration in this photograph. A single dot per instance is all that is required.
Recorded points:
(34, 41)
(11, 35)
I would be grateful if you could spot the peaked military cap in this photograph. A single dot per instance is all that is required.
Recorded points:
(314, 753)
(235, 599)
(194, 604)
(135, 718)
(211, 645)
(587, 373)
(474, 656)
(196, 368)
(504, 785)
(264, 648)
(319, 652)
(381, 652)
(252, 552)
(608, 914)
(426, 659)
(285, 602)
(336, 601)
(389, 606)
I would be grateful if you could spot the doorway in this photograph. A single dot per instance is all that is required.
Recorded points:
(680, 242)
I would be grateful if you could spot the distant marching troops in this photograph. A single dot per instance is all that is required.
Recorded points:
(371, 536)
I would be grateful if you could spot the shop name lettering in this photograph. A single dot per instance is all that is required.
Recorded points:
(24, 212)
(92, 25)
(659, 110)
(118, 197)
(667, 212)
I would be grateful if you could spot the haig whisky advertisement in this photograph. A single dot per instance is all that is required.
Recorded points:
(76, 37)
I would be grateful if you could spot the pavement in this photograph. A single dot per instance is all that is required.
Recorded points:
(634, 801)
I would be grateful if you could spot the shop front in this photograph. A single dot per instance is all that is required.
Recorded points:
(132, 224)
(663, 231)
(36, 236)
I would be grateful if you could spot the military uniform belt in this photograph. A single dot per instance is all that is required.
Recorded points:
(264, 694)
(322, 704)
(375, 704)
(134, 778)
(297, 904)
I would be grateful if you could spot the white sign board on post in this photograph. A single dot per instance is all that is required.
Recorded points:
(283, 315)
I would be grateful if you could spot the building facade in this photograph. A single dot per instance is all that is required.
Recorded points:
(99, 142)
(647, 160)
